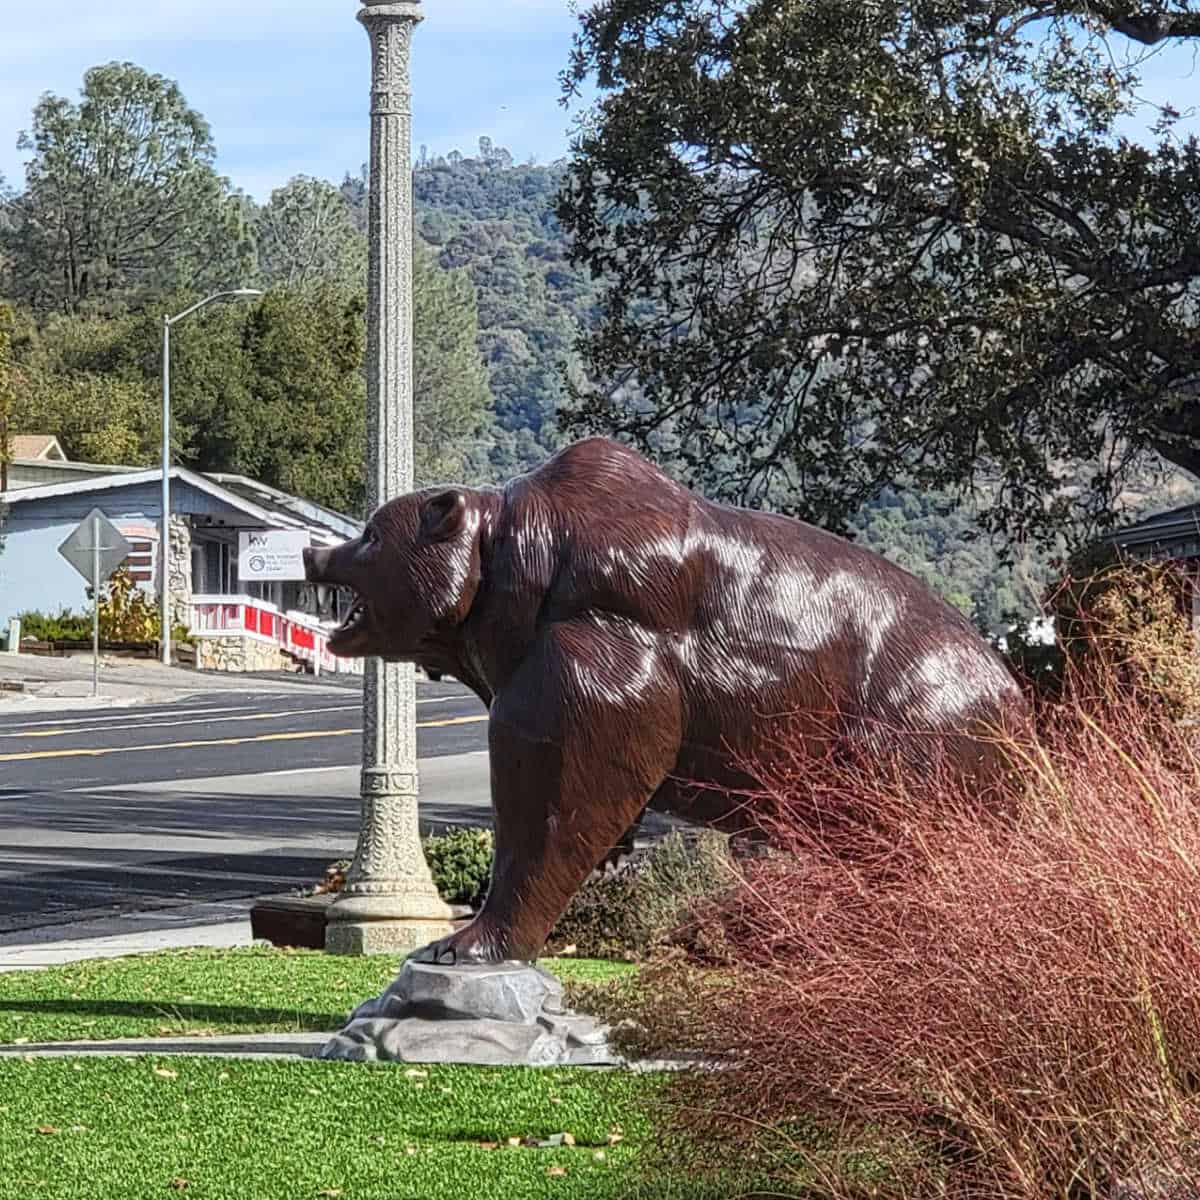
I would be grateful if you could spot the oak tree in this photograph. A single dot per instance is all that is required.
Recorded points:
(846, 244)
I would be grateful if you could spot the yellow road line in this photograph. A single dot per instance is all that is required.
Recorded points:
(101, 751)
(263, 716)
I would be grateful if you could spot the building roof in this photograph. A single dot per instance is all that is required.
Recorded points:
(271, 508)
(1179, 529)
(30, 447)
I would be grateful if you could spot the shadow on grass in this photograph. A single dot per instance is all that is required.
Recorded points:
(195, 1014)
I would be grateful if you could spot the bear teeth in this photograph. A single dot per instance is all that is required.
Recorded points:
(355, 616)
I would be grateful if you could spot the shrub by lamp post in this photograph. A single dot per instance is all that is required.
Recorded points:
(164, 546)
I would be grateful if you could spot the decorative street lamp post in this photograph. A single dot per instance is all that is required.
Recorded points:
(164, 546)
(389, 902)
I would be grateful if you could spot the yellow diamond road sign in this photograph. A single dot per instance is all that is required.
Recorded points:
(78, 549)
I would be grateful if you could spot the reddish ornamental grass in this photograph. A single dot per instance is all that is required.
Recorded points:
(938, 998)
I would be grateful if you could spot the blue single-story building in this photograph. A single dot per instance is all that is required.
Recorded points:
(208, 511)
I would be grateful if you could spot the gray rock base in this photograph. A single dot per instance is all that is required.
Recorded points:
(510, 1014)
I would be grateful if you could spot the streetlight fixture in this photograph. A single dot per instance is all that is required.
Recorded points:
(164, 545)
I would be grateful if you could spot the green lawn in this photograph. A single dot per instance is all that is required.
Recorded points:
(236, 1130)
(153, 1126)
(204, 991)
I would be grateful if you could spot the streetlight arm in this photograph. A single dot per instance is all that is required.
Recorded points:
(187, 312)
(164, 544)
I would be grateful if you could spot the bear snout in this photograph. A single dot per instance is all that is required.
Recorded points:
(316, 563)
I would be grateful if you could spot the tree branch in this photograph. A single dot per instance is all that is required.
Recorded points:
(1150, 28)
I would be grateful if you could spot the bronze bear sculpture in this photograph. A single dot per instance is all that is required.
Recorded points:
(635, 644)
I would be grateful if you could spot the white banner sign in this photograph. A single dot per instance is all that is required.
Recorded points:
(271, 554)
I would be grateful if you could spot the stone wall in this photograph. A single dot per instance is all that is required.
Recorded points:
(239, 653)
(179, 581)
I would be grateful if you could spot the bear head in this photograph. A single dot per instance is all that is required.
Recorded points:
(414, 573)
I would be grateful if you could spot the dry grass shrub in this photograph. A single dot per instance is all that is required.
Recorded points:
(1123, 624)
(924, 997)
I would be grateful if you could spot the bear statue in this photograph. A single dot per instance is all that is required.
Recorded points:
(637, 645)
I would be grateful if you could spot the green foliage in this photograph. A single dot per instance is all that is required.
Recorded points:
(451, 398)
(65, 627)
(127, 612)
(937, 538)
(7, 389)
(306, 234)
(461, 864)
(630, 912)
(7, 392)
(495, 220)
(622, 914)
(121, 199)
(845, 246)
(298, 419)
(1126, 624)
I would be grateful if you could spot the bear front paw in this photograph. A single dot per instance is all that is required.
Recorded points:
(473, 945)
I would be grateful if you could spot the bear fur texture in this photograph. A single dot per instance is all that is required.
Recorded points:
(636, 646)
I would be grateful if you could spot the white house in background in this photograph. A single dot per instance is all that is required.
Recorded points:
(236, 625)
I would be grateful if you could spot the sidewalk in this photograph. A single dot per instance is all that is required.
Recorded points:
(60, 684)
(219, 924)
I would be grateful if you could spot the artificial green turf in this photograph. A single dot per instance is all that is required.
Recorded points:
(236, 1130)
(176, 993)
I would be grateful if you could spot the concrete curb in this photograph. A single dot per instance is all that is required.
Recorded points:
(274, 1046)
(241, 1045)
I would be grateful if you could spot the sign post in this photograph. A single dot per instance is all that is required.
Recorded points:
(95, 604)
(95, 548)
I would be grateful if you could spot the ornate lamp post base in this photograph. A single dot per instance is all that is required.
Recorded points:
(390, 904)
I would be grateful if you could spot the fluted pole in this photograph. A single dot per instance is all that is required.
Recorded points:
(389, 903)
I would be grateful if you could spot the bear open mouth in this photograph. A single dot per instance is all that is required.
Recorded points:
(355, 621)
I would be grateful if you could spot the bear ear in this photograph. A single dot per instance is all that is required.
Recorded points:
(443, 515)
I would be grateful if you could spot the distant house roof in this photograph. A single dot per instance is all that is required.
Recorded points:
(30, 447)
(1176, 532)
(272, 508)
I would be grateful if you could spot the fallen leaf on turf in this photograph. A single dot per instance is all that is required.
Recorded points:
(599, 1156)
(556, 1172)
(178, 1184)
(615, 1135)
(556, 1139)
(166, 1073)
(330, 1192)
(48, 1129)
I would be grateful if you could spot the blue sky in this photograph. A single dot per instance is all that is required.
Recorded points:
(284, 83)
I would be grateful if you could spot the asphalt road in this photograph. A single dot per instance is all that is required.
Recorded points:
(223, 796)
(226, 733)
